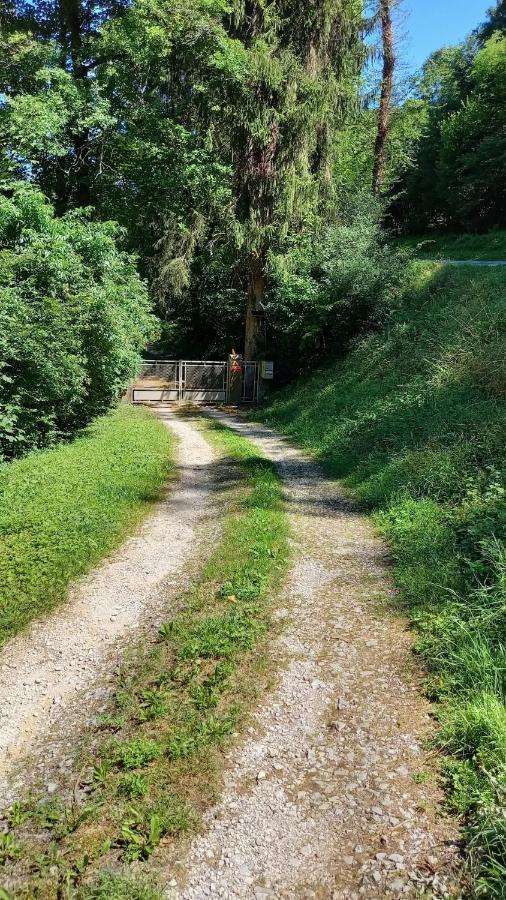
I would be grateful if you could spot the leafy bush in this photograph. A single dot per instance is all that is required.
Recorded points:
(331, 286)
(73, 317)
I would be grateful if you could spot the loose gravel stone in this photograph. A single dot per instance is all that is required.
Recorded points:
(335, 818)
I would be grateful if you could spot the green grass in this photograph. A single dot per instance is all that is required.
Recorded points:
(414, 422)
(62, 510)
(490, 246)
(157, 757)
(116, 887)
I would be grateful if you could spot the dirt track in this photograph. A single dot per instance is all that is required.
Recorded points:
(331, 795)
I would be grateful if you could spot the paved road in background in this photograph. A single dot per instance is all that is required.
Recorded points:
(469, 262)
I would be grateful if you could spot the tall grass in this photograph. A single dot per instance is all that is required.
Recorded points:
(414, 421)
(62, 510)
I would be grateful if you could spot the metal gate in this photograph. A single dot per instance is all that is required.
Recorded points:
(200, 381)
(249, 386)
(204, 382)
(157, 382)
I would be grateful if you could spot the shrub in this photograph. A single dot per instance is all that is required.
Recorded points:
(333, 285)
(73, 317)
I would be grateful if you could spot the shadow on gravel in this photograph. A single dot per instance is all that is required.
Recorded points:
(301, 474)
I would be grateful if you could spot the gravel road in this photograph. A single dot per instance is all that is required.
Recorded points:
(46, 671)
(332, 794)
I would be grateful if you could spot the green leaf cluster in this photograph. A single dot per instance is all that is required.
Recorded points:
(73, 317)
(456, 175)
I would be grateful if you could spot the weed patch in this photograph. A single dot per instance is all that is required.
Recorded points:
(111, 886)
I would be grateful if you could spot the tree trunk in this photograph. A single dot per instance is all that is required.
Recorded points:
(72, 28)
(255, 308)
(387, 85)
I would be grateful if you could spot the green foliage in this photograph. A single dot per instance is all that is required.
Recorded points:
(173, 170)
(334, 284)
(153, 704)
(413, 421)
(9, 847)
(137, 753)
(61, 510)
(142, 831)
(198, 733)
(473, 143)
(43, 113)
(73, 318)
(119, 887)
(496, 21)
(490, 246)
(456, 174)
(221, 636)
(133, 785)
(354, 146)
(204, 128)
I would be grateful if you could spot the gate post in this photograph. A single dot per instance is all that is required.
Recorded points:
(180, 380)
(234, 378)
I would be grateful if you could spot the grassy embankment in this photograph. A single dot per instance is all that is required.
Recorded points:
(491, 246)
(156, 760)
(62, 510)
(414, 421)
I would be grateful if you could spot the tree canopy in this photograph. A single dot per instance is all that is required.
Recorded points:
(205, 128)
(456, 176)
(233, 143)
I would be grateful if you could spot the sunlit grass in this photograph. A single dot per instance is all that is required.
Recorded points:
(156, 761)
(63, 510)
(414, 422)
(490, 246)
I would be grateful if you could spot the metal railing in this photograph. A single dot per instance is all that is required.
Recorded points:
(201, 381)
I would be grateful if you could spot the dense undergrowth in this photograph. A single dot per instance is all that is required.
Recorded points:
(62, 510)
(74, 317)
(414, 421)
(155, 762)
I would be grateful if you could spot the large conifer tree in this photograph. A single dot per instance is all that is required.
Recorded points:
(192, 122)
(303, 61)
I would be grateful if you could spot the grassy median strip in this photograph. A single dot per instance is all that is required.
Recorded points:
(157, 754)
(62, 510)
